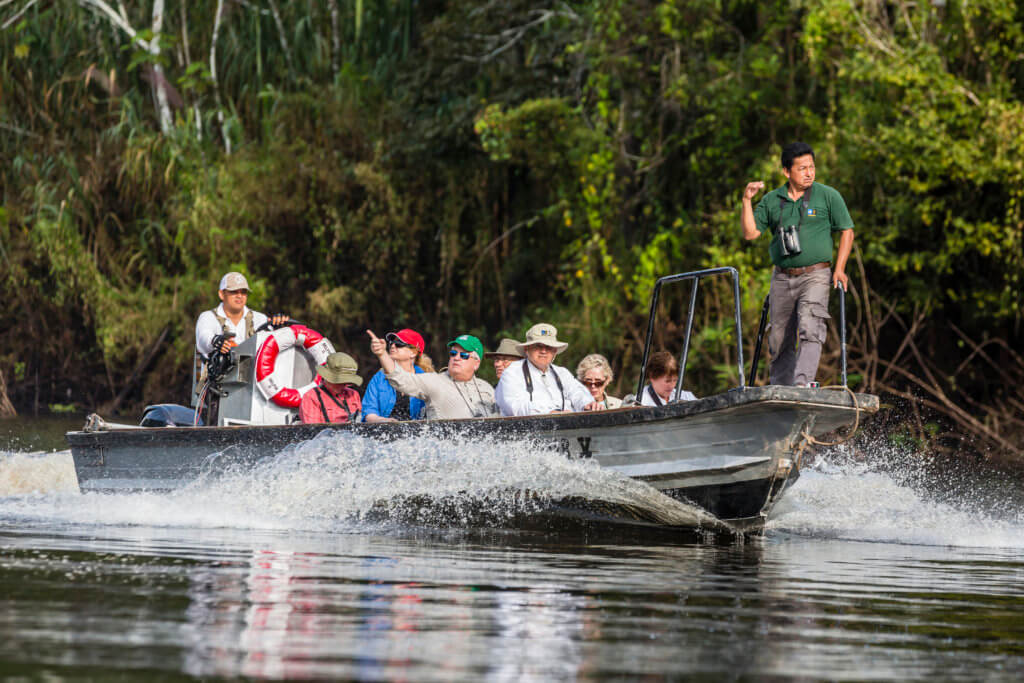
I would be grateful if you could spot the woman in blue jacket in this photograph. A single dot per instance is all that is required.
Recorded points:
(381, 403)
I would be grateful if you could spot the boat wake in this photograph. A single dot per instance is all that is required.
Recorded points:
(23, 473)
(341, 481)
(867, 503)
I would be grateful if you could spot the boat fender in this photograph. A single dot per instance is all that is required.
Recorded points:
(271, 383)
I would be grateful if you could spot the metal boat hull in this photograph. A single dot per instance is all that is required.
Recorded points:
(731, 454)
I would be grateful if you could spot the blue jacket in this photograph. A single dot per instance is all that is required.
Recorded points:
(379, 398)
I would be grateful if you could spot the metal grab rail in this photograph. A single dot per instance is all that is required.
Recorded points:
(696, 276)
(842, 329)
(757, 345)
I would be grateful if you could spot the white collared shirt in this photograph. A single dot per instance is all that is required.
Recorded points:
(647, 400)
(514, 398)
(207, 327)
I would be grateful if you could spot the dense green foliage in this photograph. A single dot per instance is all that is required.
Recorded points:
(481, 166)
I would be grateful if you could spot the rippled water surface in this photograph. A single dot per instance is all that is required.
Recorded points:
(280, 572)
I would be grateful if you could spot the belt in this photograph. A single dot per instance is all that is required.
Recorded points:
(805, 269)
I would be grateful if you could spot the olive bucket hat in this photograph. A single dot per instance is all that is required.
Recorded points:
(507, 347)
(340, 368)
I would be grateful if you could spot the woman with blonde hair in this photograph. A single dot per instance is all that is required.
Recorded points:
(381, 403)
(595, 372)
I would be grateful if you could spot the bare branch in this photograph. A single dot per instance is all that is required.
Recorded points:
(17, 15)
(213, 74)
(513, 35)
(283, 37)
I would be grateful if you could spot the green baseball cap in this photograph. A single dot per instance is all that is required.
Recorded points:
(469, 343)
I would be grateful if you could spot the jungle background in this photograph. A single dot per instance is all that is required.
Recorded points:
(480, 166)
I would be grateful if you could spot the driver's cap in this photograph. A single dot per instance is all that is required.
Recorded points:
(233, 281)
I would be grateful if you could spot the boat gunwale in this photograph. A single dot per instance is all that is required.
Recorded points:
(511, 425)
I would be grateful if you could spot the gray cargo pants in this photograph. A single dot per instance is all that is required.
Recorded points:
(799, 312)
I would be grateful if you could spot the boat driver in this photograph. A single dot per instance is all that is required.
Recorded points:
(232, 317)
(535, 385)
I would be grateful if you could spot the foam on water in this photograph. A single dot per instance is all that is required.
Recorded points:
(340, 478)
(22, 473)
(861, 502)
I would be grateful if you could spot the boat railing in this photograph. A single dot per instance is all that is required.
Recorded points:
(695, 277)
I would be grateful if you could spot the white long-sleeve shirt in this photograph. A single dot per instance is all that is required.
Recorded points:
(207, 327)
(514, 399)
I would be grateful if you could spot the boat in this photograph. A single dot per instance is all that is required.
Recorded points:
(731, 454)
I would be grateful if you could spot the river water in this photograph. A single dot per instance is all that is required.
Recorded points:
(865, 572)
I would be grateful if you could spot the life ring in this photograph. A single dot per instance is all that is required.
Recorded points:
(270, 382)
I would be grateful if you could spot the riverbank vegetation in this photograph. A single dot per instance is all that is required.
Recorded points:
(482, 166)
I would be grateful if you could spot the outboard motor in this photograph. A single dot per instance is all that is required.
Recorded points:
(168, 415)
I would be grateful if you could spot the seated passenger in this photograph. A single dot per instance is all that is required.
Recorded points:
(535, 385)
(504, 355)
(451, 394)
(334, 401)
(595, 372)
(380, 401)
(227, 318)
(662, 375)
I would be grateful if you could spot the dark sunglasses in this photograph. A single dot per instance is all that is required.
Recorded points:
(595, 382)
(464, 355)
(393, 340)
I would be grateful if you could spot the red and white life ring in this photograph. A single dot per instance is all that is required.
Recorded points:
(271, 383)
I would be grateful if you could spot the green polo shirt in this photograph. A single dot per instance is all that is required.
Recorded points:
(826, 213)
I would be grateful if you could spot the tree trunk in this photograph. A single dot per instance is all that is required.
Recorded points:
(6, 407)
(159, 80)
(213, 75)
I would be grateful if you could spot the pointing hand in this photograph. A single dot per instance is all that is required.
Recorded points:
(377, 345)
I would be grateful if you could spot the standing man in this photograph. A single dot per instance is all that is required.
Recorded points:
(535, 385)
(801, 215)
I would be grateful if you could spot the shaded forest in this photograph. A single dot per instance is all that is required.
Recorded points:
(480, 166)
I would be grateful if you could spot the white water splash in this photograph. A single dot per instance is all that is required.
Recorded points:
(22, 473)
(339, 479)
(857, 502)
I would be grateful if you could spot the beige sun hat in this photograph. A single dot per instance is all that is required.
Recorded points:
(543, 333)
(340, 368)
(507, 347)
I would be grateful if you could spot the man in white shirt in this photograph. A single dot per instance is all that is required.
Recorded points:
(231, 316)
(535, 385)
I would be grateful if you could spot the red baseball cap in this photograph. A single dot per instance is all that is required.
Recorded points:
(410, 337)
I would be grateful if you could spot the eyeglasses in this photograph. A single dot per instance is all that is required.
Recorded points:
(238, 292)
(595, 382)
(398, 344)
(464, 355)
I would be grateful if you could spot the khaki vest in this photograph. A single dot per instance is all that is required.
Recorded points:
(250, 330)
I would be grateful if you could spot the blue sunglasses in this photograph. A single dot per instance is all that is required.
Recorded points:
(464, 355)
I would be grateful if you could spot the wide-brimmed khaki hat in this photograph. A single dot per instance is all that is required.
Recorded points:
(507, 347)
(340, 368)
(542, 333)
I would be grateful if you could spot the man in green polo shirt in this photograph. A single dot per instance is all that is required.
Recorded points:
(801, 217)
